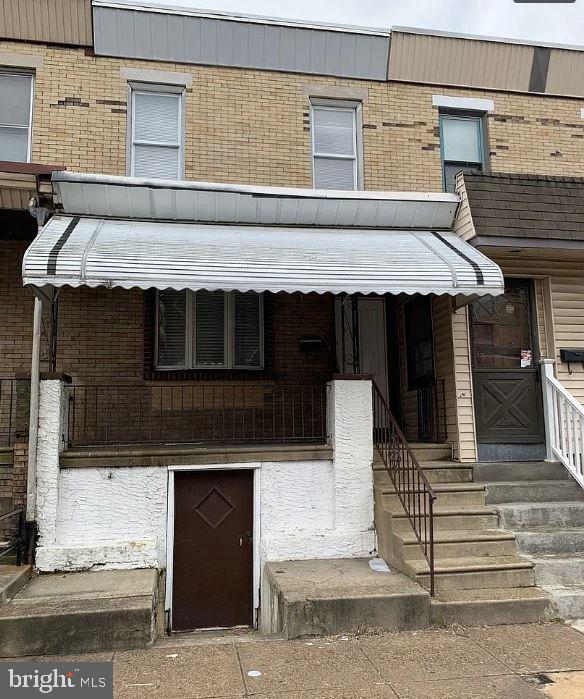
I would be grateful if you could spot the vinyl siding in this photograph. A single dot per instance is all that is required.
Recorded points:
(65, 22)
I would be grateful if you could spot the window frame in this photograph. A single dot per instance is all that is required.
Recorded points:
(356, 108)
(31, 76)
(463, 115)
(229, 336)
(135, 88)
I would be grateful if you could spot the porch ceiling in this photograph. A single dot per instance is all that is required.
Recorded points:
(94, 252)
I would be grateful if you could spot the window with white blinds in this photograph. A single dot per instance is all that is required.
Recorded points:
(15, 116)
(334, 147)
(157, 134)
(209, 330)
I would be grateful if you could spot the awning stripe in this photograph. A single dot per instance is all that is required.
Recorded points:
(58, 246)
(472, 263)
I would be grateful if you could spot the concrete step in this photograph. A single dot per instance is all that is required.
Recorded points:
(559, 570)
(549, 540)
(435, 471)
(489, 472)
(323, 597)
(12, 579)
(459, 543)
(424, 451)
(80, 613)
(517, 516)
(490, 607)
(463, 517)
(447, 494)
(533, 491)
(474, 573)
(568, 600)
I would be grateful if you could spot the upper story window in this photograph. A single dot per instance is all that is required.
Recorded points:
(334, 147)
(462, 141)
(15, 116)
(157, 133)
(210, 330)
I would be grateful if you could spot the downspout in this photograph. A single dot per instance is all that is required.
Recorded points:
(33, 428)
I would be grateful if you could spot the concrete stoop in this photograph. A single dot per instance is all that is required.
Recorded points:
(544, 508)
(12, 579)
(80, 613)
(326, 597)
(480, 577)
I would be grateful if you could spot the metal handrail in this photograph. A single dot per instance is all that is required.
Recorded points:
(19, 538)
(409, 480)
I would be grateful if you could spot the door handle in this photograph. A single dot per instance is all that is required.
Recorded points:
(246, 538)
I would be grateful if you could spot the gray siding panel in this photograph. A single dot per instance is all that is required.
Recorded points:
(201, 40)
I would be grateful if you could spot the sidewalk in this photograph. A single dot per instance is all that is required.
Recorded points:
(522, 662)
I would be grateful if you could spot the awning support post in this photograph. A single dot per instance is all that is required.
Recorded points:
(34, 408)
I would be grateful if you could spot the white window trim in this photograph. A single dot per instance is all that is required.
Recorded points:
(229, 336)
(471, 104)
(357, 111)
(141, 88)
(30, 111)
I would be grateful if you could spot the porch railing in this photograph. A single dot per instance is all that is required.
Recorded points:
(7, 410)
(14, 542)
(411, 485)
(431, 400)
(564, 416)
(205, 414)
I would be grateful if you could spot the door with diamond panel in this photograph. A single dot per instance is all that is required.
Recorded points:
(213, 549)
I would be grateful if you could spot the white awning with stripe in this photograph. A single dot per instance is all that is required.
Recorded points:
(82, 251)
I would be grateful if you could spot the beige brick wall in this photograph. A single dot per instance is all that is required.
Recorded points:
(252, 126)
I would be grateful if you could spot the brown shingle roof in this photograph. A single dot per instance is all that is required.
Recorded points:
(526, 206)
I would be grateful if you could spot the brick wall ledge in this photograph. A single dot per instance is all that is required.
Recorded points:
(92, 457)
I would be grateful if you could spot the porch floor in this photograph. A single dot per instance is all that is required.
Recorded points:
(194, 454)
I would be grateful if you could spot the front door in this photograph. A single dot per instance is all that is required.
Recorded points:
(213, 550)
(507, 387)
(373, 341)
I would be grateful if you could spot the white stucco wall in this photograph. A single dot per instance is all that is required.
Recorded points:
(116, 517)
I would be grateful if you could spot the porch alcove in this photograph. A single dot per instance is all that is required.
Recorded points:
(335, 271)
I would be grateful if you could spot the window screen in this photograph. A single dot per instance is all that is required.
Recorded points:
(156, 134)
(15, 114)
(334, 147)
(210, 328)
(462, 146)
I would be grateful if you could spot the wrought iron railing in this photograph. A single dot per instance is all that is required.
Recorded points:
(16, 538)
(411, 485)
(195, 413)
(431, 400)
(7, 411)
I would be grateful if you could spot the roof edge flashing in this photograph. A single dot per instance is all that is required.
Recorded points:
(71, 177)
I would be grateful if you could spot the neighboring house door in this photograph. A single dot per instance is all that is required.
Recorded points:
(507, 388)
(212, 574)
(373, 341)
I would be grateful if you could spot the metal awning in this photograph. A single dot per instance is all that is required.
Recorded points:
(81, 251)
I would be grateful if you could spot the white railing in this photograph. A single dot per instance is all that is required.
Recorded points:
(564, 418)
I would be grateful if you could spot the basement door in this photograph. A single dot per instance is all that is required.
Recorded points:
(507, 387)
(213, 549)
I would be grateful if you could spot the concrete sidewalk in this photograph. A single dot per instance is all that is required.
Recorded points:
(522, 662)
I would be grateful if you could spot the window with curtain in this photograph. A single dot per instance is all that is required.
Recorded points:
(15, 116)
(209, 330)
(334, 147)
(157, 134)
(461, 139)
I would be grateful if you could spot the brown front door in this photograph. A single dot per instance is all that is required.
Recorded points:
(213, 549)
(505, 367)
